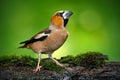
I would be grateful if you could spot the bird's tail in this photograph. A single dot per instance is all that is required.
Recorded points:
(24, 46)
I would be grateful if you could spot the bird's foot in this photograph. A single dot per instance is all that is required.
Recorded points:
(37, 69)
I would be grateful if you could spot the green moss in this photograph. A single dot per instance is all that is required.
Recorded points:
(67, 59)
(17, 61)
(89, 60)
(28, 61)
(8, 60)
(50, 65)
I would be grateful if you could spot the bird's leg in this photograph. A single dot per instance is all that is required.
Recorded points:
(38, 64)
(59, 64)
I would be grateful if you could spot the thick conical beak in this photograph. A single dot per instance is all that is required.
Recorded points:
(67, 14)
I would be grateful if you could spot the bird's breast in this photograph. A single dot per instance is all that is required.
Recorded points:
(56, 39)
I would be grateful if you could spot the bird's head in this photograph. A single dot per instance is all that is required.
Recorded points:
(60, 18)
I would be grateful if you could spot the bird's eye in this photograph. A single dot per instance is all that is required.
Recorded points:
(59, 14)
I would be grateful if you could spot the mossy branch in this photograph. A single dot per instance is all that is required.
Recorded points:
(88, 60)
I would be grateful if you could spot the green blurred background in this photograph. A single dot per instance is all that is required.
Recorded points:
(95, 25)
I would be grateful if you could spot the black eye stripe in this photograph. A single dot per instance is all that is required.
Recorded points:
(60, 14)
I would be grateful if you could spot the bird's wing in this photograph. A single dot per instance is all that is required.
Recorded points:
(41, 36)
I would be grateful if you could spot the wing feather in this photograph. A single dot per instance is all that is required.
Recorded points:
(41, 36)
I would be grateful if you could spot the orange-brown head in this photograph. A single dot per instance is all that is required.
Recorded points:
(60, 18)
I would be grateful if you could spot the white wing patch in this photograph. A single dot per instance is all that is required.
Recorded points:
(41, 35)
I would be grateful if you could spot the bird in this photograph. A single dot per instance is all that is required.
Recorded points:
(51, 38)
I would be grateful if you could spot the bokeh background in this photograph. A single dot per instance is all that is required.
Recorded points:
(94, 26)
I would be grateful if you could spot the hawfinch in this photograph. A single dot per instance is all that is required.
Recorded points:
(50, 39)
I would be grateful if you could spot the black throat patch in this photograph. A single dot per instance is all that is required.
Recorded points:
(65, 22)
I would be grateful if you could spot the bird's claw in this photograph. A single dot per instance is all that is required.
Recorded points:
(37, 69)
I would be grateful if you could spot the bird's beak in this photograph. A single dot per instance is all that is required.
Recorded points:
(67, 14)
